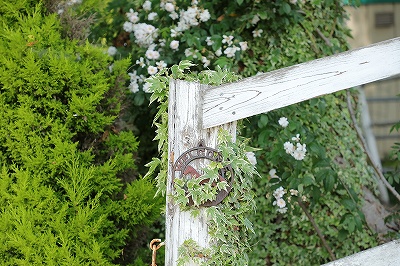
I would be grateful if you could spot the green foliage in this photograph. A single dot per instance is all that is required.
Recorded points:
(229, 226)
(69, 190)
(322, 178)
(393, 175)
(277, 34)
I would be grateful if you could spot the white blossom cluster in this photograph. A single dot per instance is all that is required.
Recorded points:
(135, 80)
(280, 202)
(146, 36)
(141, 23)
(188, 18)
(296, 149)
(229, 48)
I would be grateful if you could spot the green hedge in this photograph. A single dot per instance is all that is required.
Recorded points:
(70, 193)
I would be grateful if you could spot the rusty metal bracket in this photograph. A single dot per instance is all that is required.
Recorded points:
(183, 168)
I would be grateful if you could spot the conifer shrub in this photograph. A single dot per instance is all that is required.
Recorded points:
(70, 193)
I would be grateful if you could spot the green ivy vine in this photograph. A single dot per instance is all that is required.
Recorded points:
(229, 226)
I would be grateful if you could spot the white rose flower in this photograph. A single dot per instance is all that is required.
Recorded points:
(294, 192)
(257, 33)
(289, 147)
(230, 51)
(147, 5)
(279, 192)
(243, 46)
(205, 15)
(174, 45)
(174, 15)
(297, 138)
(134, 87)
(227, 39)
(251, 157)
(132, 16)
(209, 41)
(169, 7)
(205, 61)
(255, 19)
(281, 203)
(283, 121)
(152, 70)
(152, 16)
(188, 52)
(272, 173)
(128, 26)
(140, 62)
(161, 64)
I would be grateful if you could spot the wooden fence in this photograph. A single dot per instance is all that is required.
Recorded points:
(197, 111)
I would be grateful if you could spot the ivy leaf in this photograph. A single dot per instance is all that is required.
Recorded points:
(307, 180)
(249, 225)
(176, 72)
(139, 99)
(263, 14)
(285, 8)
(224, 249)
(222, 185)
(155, 162)
(348, 204)
(342, 235)
(329, 182)
(185, 64)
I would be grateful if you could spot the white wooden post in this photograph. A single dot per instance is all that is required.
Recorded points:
(184, 132)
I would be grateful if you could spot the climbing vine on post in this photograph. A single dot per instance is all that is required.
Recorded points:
(228, 226)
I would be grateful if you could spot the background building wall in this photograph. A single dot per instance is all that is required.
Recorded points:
(371, 23)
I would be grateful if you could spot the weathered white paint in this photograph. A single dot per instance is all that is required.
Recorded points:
(385, 255)
(185, 132)
(283, 87)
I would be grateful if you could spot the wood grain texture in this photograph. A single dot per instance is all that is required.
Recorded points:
(287, 86)
(185, 132)
(384, 255)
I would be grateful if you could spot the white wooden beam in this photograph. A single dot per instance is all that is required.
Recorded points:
(384, 255)
(185, 132)
(283, 87)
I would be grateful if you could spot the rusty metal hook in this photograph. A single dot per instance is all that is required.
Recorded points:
(154, 247)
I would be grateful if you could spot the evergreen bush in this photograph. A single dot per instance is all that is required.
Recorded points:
(70, 193)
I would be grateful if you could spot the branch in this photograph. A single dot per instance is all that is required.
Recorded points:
(327, 41)
(314, 224)
(365, 148)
